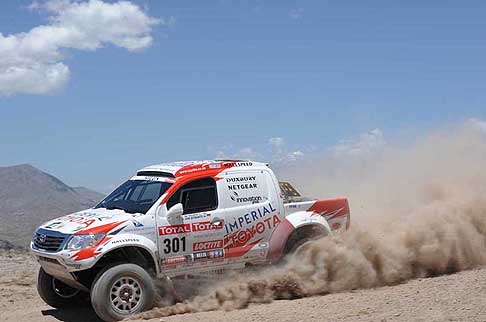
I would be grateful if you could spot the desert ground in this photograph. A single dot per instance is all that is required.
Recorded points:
(456, 297)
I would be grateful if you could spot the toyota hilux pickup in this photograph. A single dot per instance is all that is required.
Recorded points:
(174, 220)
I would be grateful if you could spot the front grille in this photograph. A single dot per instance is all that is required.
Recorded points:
(47, 242)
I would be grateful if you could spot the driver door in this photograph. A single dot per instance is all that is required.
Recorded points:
(194, 240)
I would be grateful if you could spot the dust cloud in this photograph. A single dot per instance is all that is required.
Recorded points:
(417, 211)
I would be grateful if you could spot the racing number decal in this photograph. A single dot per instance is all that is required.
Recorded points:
(173, 245)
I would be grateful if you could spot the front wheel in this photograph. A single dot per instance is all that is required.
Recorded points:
(121, 291)
(55, 293)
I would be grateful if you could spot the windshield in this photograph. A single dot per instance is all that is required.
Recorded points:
(135, 196)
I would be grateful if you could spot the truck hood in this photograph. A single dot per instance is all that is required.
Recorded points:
(90, 221)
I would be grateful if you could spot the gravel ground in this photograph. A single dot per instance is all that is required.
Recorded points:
(457, 297)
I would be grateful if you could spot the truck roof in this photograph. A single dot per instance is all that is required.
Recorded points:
(182, 168)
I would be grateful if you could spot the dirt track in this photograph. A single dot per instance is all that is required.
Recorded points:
(457, 297)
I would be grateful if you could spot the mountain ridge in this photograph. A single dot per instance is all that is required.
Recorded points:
(30, 196)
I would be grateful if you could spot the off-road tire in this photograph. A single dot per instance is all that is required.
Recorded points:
(46, 288)
(300, 238)
(300, 243)
(111, 287)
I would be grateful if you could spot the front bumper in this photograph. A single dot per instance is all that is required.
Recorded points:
(55, 260)
(54, 265)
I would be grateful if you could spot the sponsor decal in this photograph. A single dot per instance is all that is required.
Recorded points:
(243, 186)
(191, 170)
(215, 166)
(174, 260)
(242, 183)
(201, 255)
(208, 235)
(126, 240)
(206, 225)
(204, 166)
(218, 253)
(144, 230)
(140, 229)
(249, 218)
(207, 245)
(195, 216)
(252, 199)
(81, 217)
(243, 164)
(212, 254)
(241, 179)
(82, 222)
(243, 236)
(175, 229)
(151, 178)
(238, 184)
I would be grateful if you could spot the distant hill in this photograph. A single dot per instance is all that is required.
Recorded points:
(29, 197)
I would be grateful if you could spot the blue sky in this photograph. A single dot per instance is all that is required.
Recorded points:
(221, 76)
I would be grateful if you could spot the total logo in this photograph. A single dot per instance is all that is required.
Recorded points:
(186, 228)
(206, 225)
(175, 229)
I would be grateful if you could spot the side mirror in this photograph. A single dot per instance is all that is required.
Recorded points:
(175, 211)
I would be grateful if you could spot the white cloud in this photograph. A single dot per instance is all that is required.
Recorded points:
(281, 153)
(276, 151)
(32, 62)
(366, 144)
(296, 13)
(476, 124)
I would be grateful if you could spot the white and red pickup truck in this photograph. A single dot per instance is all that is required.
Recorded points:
(171, 220)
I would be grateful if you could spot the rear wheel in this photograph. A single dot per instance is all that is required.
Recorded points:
(121, 291)
(301, 244)
(56, 293)
(300, 239)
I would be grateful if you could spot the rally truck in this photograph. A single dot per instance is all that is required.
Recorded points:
(175, 220)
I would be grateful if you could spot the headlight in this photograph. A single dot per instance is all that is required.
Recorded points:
(84, 241)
